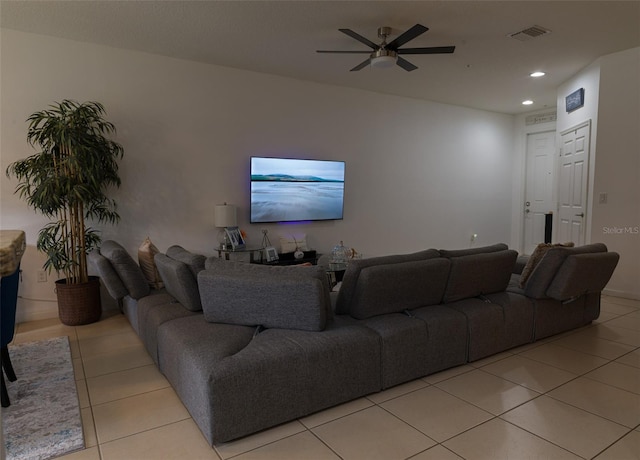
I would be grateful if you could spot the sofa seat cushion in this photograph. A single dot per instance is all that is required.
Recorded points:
(153, 311)
(554, 316)
(448, 338)
(179, 281)
(405, 344)
(496, 323)
(235, 382)
(392, 288)
(126, 268)
(418, 343)
(297, 298)
(352, 274)
(479, 274)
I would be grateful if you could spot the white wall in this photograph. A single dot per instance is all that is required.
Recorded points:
(617, 168)
(589, 79)
(419, 174)
(612, 103)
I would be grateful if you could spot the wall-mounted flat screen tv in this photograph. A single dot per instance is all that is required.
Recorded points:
(289, 190)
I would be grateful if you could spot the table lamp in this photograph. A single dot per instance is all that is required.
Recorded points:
(225, 216)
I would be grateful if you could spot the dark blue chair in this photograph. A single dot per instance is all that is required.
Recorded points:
(8, 302)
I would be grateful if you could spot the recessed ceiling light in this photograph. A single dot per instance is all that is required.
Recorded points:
(537, 74)
(527, 102)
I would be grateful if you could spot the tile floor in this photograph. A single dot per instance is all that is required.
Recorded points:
(573, 396)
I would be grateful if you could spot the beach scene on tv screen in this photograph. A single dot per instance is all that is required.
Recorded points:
(290, 190)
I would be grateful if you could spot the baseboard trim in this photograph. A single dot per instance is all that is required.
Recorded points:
(623, 294)
(35, 310)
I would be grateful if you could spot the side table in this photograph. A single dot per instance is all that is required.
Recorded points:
(226, 253)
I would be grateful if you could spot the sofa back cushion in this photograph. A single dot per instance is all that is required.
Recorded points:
(479, 274)
(108, 275)
(545, 271)
(449, 253)
(228, 266)
(195, 262)
(272, 297)
(126, 268)
(583, 274)
(179, 281)
(391, 288)
(352, 273)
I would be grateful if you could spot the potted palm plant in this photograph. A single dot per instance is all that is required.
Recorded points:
(67, 181)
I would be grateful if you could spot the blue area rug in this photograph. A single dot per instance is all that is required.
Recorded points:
(43, 420)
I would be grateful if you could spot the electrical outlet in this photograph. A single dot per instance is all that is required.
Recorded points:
(42, 276)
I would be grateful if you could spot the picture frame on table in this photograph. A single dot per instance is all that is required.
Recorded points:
(235, 237)
(270, 254)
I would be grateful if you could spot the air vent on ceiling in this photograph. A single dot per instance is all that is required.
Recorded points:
(529, 33)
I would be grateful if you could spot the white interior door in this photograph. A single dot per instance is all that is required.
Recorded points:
(572, 184)
(538, 197)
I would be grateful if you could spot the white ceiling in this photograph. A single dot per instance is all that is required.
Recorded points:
(488, 70)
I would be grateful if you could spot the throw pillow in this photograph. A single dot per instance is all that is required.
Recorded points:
(536, 257)
(146, 252)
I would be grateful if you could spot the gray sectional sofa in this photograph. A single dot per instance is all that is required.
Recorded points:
(247, 347)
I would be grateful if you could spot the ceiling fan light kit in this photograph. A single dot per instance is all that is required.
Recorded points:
(383, 58)
(387, 54)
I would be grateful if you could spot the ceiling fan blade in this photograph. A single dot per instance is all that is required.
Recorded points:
(429, 50)
(406, 65)
(362, 65)
(360, 38)
(343, 52)
(410, 34)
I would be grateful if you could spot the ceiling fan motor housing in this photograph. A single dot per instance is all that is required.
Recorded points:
(384, 32)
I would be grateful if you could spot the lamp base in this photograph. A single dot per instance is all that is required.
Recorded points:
(224, 242)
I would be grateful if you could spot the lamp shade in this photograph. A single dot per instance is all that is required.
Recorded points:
(225, 215)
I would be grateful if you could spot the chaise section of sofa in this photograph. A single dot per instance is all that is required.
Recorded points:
(236, 380)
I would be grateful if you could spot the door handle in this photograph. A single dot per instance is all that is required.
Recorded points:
(580, 215)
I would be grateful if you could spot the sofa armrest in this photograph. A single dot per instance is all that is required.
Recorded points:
(582, 274)
(262, 299)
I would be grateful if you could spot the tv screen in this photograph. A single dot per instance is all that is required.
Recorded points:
(288, 190)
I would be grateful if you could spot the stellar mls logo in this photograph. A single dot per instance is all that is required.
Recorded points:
(621, 230)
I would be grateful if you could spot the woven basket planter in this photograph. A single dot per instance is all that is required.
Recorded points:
(79, 303)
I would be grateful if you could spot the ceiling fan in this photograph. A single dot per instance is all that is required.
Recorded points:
(387, 54)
